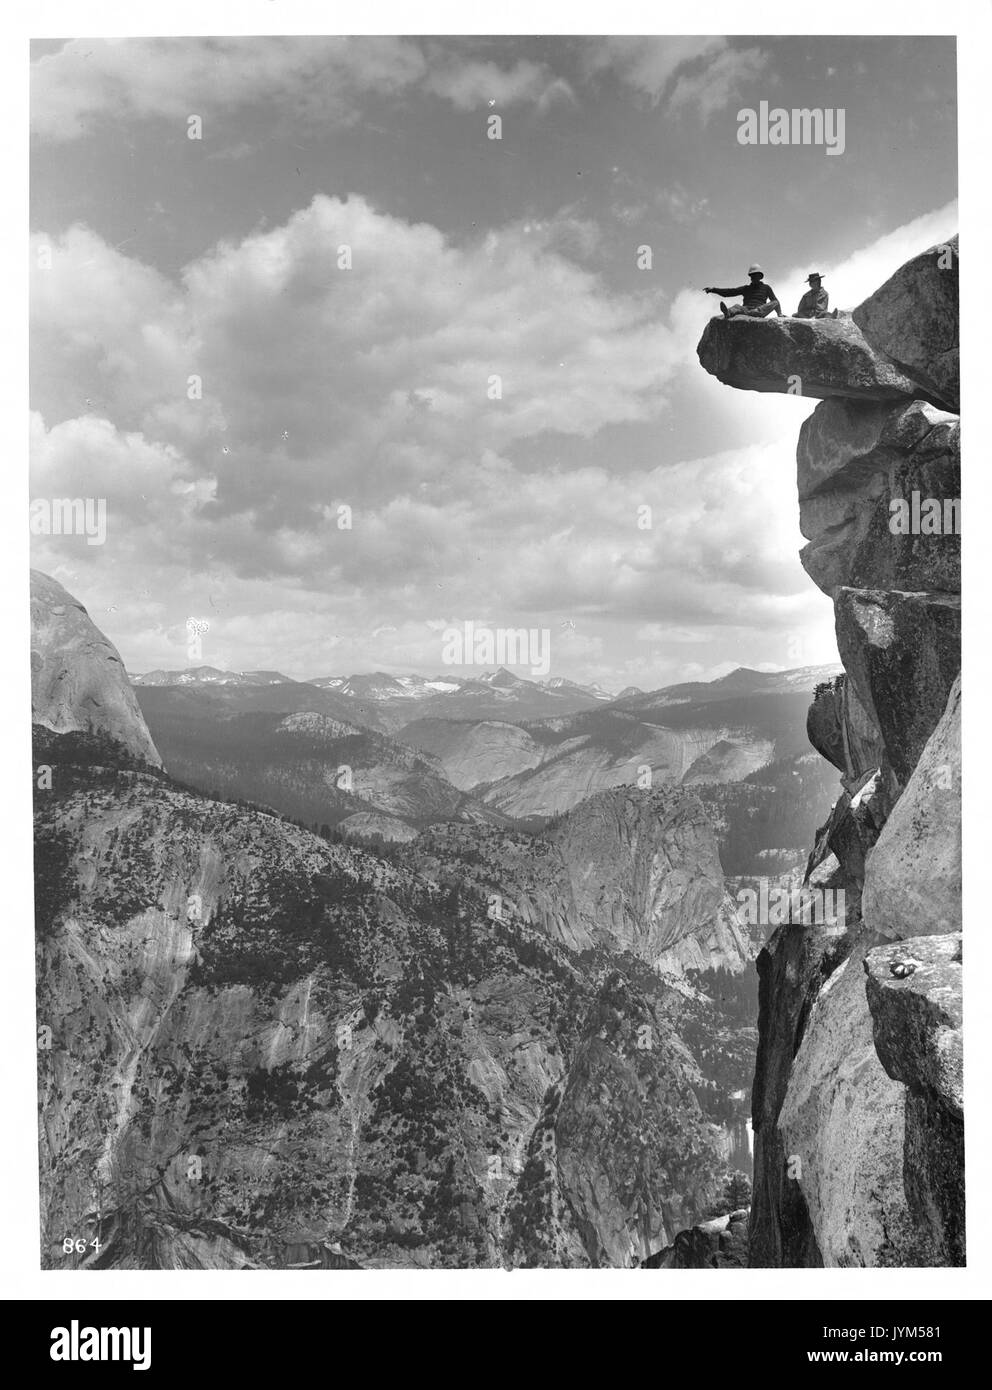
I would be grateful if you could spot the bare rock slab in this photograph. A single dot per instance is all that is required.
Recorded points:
(817, 358)
(841, 1127)
(902, 653)
(914, 994)
(78, 680)
(913, 874)
(913, 319)
(855, 460)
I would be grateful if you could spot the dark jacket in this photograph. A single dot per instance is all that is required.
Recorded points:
(753, 294)
(813, 305)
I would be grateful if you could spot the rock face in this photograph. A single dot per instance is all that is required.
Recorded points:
(856, 1101)
(644, 876)
(859, 460)
(261, 1044)
(365, 825)
(841, 1126)
(791, 971)
(913, 319)
(537, 772)
(841, 730)
(903, 654)
(802, 357)
(484, 752)
(78, 681)
(717, 1244)
(912, 882)
(630, 871)
(914, 993)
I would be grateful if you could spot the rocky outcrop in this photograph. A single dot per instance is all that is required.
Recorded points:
(729, 760)
(640, 872)
(912, 541)
(78, 681)
(616, 1116)
(817, 358)
(720, 1243)
(914, 993)
(631, 871)
(575, 769)
(366, 825)
(902, 653)
(841, 1129)
(912, 883)
(481, 753)
(851, 830)
(858, 1127)
(841, 730)
(791, 971)
(862, 468)
(913, 319)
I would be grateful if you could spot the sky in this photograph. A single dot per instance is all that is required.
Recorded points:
(490, 383)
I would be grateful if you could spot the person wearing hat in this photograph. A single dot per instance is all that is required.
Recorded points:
(815, 303)
(758, 298)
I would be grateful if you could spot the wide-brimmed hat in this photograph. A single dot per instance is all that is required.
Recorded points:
(813, 275)
(755, 270)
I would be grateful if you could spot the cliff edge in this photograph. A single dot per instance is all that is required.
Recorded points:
(857, 1107)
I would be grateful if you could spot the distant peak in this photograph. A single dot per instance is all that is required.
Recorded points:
(502, 677)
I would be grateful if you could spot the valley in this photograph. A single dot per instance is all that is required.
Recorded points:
(315, 996)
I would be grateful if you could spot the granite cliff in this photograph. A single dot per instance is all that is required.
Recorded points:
(78, 682)
(857, 1107)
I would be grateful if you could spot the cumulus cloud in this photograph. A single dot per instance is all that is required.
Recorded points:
(89, 81)
(394, 388)
(703, 73)
(681, 205)
(469, 84)
(370, 388)
(350, 354)
(119, 79)
(717, 82)
(647, 62)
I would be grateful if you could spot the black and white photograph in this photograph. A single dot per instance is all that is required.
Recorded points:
(495, 524)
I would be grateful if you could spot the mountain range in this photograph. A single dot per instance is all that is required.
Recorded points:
(327, 752)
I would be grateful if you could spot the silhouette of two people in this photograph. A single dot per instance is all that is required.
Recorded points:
(758, 299)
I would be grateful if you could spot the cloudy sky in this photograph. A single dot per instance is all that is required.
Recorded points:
(160, 259)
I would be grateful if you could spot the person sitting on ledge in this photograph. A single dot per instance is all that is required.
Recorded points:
(758, 298)
(815, 303)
